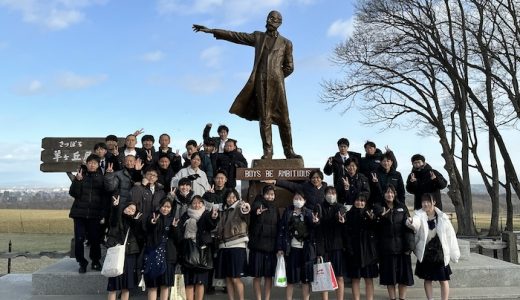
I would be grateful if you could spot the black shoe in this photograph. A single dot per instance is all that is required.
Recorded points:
(224, 290)
(96, 266)
(83, 268)
(210, 290)
(291, 154)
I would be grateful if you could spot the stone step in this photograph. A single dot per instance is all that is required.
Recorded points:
(18, 287)
(476, 271)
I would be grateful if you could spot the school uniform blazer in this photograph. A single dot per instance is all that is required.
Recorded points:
(445, 231)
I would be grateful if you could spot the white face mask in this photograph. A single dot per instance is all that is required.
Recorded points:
(298, 203)
(331, 199)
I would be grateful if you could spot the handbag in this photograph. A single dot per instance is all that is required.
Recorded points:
(433, 253)
(155, 260)
(280, 278)
(196, 257)
(324, 277)
(115, 260)
(178, 291)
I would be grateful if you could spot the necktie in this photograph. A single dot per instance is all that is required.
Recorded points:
(102, 165)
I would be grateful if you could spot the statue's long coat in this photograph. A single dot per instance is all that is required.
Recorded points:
(279, 65)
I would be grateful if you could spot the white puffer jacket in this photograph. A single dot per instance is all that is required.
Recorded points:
(445, 231)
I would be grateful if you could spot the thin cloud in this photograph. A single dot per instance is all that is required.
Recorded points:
(51, 14)
(29, 88)
(210, 84)
(154, 56)
(212, 56)
(72, 81)
(341, 28)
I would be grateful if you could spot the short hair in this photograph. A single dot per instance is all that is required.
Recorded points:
(223, 127)
(370, 144)
(267, 188)
(152, 169)
(221, 171)
(231, 191)
(362, 197)
(388, 156)
(232, 141)
(418, 157)
(392, 188)
(209, 142)
(100, 145)
(184, 181)
(163, 201)
(111, 137)
(165, 134)
(197, 197)
(352, 160)
(92, 157)
(195, 154)
(330, 188)
(148, 137)
(343, 141)
(427, 197)
(191, 143)
(317, 171)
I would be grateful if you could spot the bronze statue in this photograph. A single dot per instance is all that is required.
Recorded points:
(263, 97)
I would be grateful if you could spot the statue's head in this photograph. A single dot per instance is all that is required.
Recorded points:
(274, 20)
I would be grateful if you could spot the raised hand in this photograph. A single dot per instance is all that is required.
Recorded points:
(199, 146)
(315, 218)
(209, 124)
(138, 164)
(387, 149)
(175, 222)
(116, 150)
(346, 183)
(102, 221)
(198, 28)
(330, 161)
(155, 218)
(370, 214)
(412, 177)
(79, 174)
(110, 168)
(115, 200)
(212, 189)
(138, 132)
(177, 152)
(374, 177)
(245, 208)
(432, 175)
(214, 213)
(385, 211)
(138, 215)
(149, 155)
(341, 217)
(260, 210)
(144, 182)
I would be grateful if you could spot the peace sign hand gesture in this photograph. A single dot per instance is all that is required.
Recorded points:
(175, 222)
(432, 175)
(385, 211)
(315, 218)
(110, 168)
(172, 191)
(115, 200)
(346, 183)
(214, 213)
(260, 210)
(79, 174)
(412, 177)
(155, 218)
(149, 155)
(341, 217)
(330, 161)
(374, 177)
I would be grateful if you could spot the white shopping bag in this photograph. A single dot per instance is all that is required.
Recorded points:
(324, 278)
(280, 278)
(115, 260)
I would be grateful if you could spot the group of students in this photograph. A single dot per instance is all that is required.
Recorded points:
(361, 224)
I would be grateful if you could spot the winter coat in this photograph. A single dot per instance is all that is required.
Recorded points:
(233, 224)
(88, 193)
(199, 186)
(163, 228)
(392, 232)
(175, 160)
(378, 189)
(444, 230)
(312, 195)
(164, 177)
(286, 232)
(370, 163)
(216, 197)
(229, 162)
(329, 231)
(424, 184)
(263, 228)
(358, 184)
(145, 201)
(337, 169)
(121, 182)
(360, 238)
(119, 225)
(204, 227)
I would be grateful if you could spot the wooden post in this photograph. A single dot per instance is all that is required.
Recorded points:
(510, 252)
(9, 259)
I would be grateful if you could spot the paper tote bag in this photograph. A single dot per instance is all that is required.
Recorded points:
(324, 278)
(115, 260)
(280, 278)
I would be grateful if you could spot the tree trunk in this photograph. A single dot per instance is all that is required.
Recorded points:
(509, 204)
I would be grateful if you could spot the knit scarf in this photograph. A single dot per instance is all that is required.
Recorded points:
(190, 229)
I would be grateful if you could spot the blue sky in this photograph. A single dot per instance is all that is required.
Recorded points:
(97, 67)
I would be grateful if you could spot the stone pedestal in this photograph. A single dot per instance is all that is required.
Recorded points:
(279, 167)
(464, 247)
(510, 253)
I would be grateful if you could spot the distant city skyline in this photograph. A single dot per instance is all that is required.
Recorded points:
(89, 68)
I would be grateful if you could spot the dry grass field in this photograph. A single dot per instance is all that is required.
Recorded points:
(35, 221)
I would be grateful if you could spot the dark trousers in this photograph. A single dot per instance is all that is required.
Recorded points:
(87, 228)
